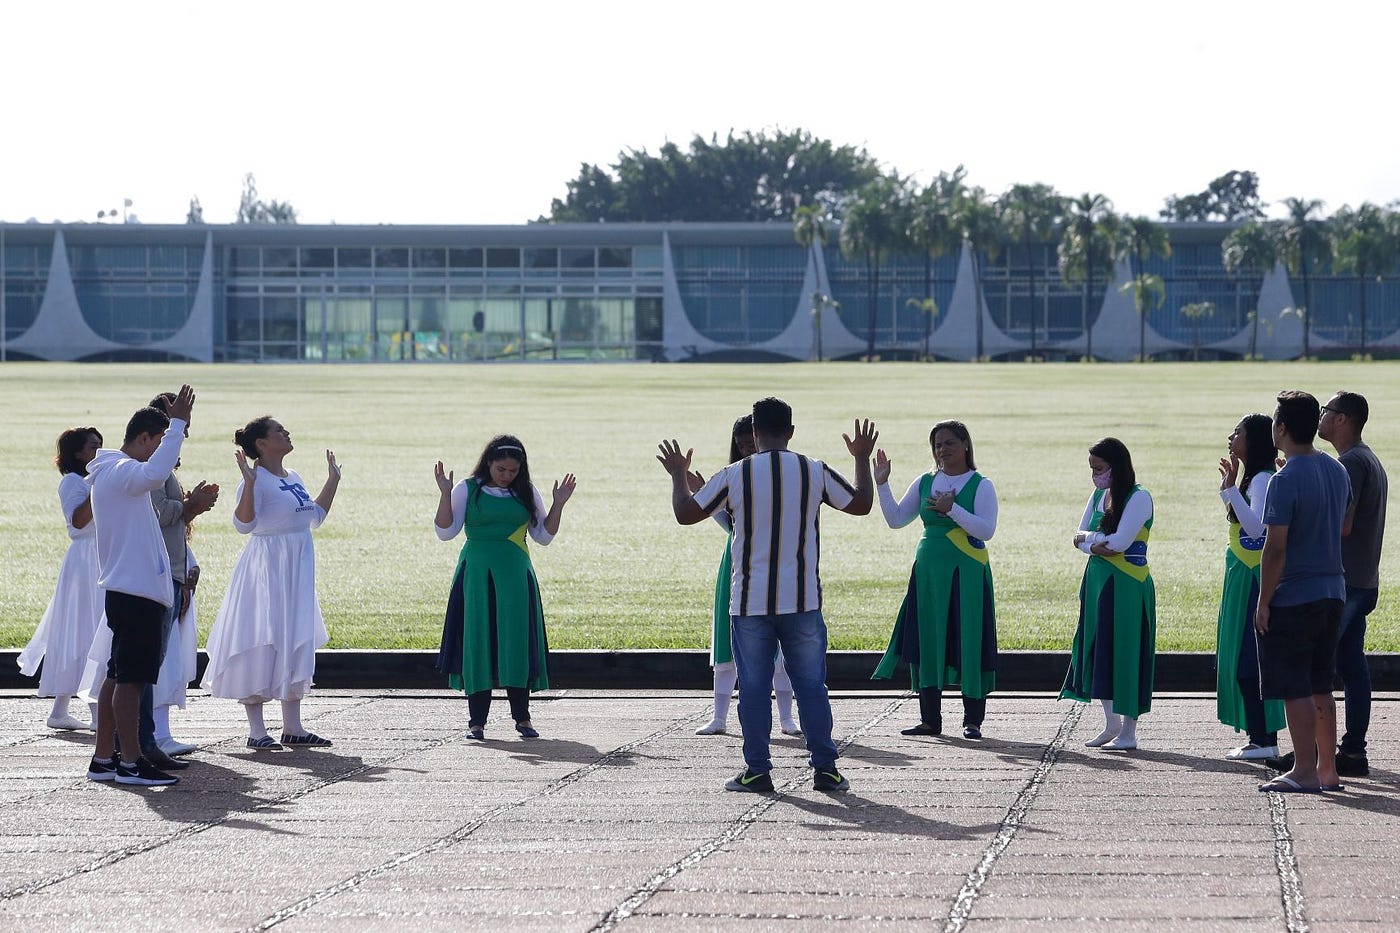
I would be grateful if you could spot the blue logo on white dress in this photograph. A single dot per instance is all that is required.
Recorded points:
(298, 490)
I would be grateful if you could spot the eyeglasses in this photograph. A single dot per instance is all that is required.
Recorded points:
(1332, 410)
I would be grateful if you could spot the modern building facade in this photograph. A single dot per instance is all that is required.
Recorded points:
(624, 291)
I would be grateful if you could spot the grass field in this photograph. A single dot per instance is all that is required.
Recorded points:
(622, 573)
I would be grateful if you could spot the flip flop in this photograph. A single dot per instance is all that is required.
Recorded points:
(1286, 785)
(1332, 788)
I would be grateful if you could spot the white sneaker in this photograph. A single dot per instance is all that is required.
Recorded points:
(1120, 744)
(1251, 752)
(69, 723)
(173, 747)
(791, 728)
(715, 727)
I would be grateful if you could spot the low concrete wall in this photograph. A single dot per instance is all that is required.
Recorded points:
(690, 670)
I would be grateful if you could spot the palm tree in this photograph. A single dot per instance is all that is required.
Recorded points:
(976, 218)
(809, 224)
(1141, 240)
(1254, 248)
(930, 231)
(1196, 312)
(1306, 245)
(870, 229)
(1087, 248)
(1032, 213)
(820, 302)
(1364, 243)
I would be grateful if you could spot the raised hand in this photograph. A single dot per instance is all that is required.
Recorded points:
(332, 465)
(863, 443)
(443, 477)
(672, 459)
(694, 481)
(882, 468)
(249, 471)
(1229, 471)
(201, 498)
(183, 405)
(564, 488)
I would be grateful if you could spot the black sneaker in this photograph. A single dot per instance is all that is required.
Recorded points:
(99, 771)
(752, 781)
(1352, 765)
(143, 774)
(1283, 763)
(161, 760)
(831, 781)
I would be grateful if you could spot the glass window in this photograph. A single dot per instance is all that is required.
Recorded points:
(576, 258)
(279, 260)
(244, 317)
(167, 258)
(390, 258)
(614, 257)
(647, 257)
(432, 258)
(244, 260)
(502, 257)
(539, 258)
(465, 258)
(352, 257)
(317, 257)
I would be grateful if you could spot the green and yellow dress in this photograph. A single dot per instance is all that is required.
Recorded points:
(721, 651)
(493, 632)
(1115, 644)
(1234, 632)
(946, 626)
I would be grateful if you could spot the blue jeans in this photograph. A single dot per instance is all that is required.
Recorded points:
(146, 729)
(755, 640)
(1353, 669)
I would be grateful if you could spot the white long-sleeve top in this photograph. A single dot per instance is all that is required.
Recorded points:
(73, 491)
(980, 523)
(538, 532)
(131, 555)
(1251, 513)
(1135, 515)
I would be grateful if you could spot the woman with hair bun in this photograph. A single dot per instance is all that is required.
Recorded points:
(263, 644)
(493, 632)
(65, 632)
(1251, 445)
(1112, 659)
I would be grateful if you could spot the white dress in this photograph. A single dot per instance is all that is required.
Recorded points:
(65, 632)
(263, 644)
(181, 654)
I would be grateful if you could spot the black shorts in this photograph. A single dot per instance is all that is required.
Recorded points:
(135, 623)
(1297, 656)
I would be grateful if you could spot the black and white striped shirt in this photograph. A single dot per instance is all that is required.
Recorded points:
(775, 497)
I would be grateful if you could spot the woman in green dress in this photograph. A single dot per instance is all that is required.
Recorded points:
(1112, 658)
(946, 627)
(1236, 652)
(493, 633)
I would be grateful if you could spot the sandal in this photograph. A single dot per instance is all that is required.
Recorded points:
(265, 744)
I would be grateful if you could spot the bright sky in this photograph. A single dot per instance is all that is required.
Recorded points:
(478, 113)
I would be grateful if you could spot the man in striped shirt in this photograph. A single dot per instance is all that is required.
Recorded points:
(775, 497)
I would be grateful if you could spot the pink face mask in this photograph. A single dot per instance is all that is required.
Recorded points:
(1103, 480)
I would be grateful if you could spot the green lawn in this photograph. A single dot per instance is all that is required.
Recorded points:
(622, 573)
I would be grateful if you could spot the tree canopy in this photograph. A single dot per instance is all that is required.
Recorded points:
(1232, 196)
(745, 177)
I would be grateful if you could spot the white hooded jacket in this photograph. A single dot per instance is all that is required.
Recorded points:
(131, 555)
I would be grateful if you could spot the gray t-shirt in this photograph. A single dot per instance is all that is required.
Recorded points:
(1310, 496)
(1361, 550)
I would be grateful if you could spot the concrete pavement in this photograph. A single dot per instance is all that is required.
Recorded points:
(616, 819)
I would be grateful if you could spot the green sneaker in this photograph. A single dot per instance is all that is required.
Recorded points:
(752, 781)
(831, 780)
